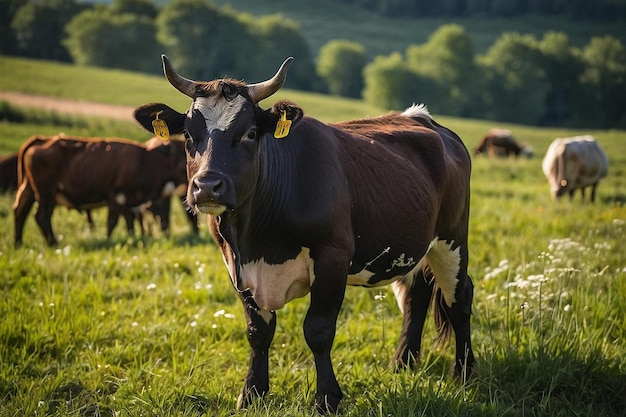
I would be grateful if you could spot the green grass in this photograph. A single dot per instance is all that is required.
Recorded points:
(151, 326)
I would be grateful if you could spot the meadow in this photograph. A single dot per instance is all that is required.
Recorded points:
(150, 326)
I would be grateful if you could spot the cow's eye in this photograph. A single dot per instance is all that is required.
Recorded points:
(251, 134)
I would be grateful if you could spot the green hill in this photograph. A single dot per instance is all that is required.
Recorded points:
(322, 21)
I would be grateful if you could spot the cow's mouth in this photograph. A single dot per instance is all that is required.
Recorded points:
(213, 209)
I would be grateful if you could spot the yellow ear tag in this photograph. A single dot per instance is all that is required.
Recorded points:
(283, 126)
(160, 128)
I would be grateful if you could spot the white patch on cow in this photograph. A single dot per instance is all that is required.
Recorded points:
(400, 289)
(120, 199)
(218, 113)
(274, 285)
(417, 110)
(168, 189)
(266, 315)
(444, 263)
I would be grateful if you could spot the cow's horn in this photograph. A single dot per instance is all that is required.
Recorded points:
(182, 84)
(265, 89)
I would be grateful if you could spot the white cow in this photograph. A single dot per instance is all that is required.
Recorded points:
(574, 163)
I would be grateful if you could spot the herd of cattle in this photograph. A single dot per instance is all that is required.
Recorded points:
(133, 179)
(298, 206)
(130, 178)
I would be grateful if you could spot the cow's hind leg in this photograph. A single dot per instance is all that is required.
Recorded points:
(453, 301)
(413, 296)
(458, 316)
(261, 327)
(43, 217)
(24, 200)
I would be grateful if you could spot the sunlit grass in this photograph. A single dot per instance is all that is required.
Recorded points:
(151, 325)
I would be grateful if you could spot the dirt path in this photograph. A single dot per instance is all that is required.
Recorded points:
(60, 105)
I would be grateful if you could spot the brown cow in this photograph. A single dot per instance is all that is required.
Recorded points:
(161, 207)
(8, 173)
(500, 142)
(301, 207)
(85, 173)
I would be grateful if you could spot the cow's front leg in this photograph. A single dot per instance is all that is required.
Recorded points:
(261, 326)
(319, 331)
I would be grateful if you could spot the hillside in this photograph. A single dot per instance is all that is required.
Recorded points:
(322, 21)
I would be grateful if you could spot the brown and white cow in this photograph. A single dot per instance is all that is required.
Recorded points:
(501, 143)
(574, 163)
(301, 207)
(85, 173)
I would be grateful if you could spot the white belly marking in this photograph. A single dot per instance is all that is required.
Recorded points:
(274, 285)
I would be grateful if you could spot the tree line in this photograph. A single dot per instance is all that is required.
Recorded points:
(519, 79)
(579, 9)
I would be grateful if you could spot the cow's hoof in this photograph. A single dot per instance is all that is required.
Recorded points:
(327, 404)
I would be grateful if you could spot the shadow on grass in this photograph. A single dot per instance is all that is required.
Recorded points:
(553, 384)
(140, 242)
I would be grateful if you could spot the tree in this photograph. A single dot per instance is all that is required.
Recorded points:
(274, 38)
(144, 8)
(390, 83)
(514, 79)
(38, 28)
(604, 79)
(340, 64)
(201, 40)
(7, 36)
(100, 37)
(447, 60)
(562, 67)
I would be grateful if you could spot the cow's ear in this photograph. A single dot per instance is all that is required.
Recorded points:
(289, 108)
(148, 113)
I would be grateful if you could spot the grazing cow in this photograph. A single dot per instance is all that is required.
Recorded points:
(161, 207)
(8, 173)
(500, 142)
(301, 207)
(85, 173)
(574, 163)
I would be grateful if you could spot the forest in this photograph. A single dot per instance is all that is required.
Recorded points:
(539, 80)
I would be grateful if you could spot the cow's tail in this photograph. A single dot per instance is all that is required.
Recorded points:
(32, 141)
(440, 313)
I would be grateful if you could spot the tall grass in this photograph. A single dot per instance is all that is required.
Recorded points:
(151, 326)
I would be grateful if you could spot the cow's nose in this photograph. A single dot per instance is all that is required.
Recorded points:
(208, 189)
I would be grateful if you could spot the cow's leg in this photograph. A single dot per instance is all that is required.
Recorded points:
(129, 218)
(413, 296)
(90, 222)
(261, 326)
(459, 316)
(112, 218)
(320, 324)
(454, 300)
(592, 198)
(24, 200)
(43, 217)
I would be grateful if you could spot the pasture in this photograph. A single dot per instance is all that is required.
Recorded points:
(150, 326)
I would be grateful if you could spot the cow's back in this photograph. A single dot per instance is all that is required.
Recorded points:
(409, 182)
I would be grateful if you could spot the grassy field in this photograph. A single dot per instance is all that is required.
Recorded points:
(151, 326)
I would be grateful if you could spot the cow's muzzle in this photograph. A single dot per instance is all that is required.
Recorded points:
(211, 194)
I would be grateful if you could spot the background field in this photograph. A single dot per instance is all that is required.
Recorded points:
(151, 326)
